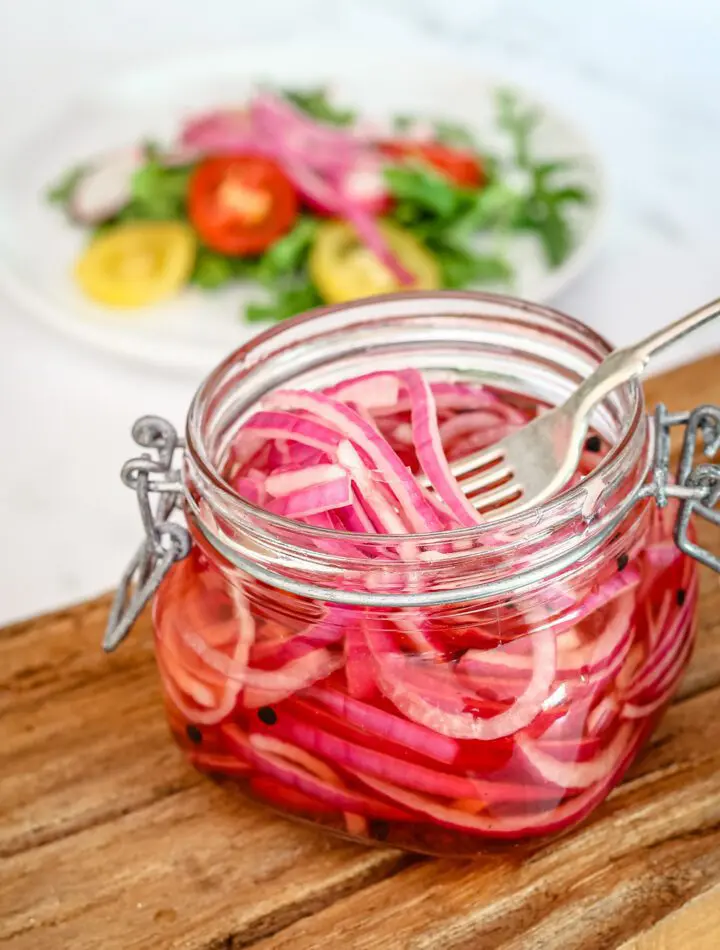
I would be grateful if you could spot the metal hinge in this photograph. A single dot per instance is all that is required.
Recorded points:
(697, 487)
(165, 541)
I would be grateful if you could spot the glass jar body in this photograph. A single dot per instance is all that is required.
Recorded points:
(443, 726)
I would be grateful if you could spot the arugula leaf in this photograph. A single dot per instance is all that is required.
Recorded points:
(519, 124)
(461, 266)
(283, 271)
(540, 208)
(288, 255)
(556, 237)
(416, 184)
(543, 170)
(62, 191)
(493, 208)
(316, 103)
(436, 209)
(446, 218)
(570, 195)
(288, 301)
(159, 193)
(551, 228)
(213, 270)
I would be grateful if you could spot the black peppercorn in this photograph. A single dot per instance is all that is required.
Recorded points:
(622, 562)
(381, 830)
(593, 443)
(193, 733)
(680, 597)
(267, 715)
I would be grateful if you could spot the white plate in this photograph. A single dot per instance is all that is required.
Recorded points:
(196, 330)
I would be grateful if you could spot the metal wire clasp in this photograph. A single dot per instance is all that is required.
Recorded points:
(165, 542)
(697, 487)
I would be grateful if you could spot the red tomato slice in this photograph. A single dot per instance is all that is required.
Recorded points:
(462, 168)
(240, 204)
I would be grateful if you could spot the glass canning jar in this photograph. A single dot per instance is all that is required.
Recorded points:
(434, 691)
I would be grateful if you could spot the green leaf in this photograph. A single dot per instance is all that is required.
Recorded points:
(519, 124)
(406, 213)
(62, 191)
(553, 231)
(461, 267)
(159, 193)
(316, 103)
(570, 195)
(289, 254)
(283, 270)
(541, 210)
(213, 270)
(493, 208)
(556, 239)
(418, 185)
(288, 302)
(544, 170)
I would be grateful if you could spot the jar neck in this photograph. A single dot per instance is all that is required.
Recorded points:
(529, 350)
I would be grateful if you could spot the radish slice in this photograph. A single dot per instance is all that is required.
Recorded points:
(106, 187)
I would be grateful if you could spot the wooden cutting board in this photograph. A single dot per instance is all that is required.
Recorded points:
(108, 840)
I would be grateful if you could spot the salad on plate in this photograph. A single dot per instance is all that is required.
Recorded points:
(310, 203)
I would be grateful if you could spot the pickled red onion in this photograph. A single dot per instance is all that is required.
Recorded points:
(490, 726)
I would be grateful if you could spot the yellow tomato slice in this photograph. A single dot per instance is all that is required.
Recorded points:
(342, 268)
(137, 263)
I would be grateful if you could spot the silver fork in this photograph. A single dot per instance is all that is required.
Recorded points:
(528, 466)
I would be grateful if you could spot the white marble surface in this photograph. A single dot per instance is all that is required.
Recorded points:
(643, 76)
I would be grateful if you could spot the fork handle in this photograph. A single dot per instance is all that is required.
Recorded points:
(675, 331)
(622, 365)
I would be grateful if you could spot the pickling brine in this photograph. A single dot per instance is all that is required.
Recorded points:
(389, 711)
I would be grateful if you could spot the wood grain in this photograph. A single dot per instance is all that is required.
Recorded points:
(695, 925)
(108, 840)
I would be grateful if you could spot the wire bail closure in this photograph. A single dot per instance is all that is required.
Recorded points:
(696, 487)
(165, 541)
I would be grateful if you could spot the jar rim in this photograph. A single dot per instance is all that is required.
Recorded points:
(512, 520)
